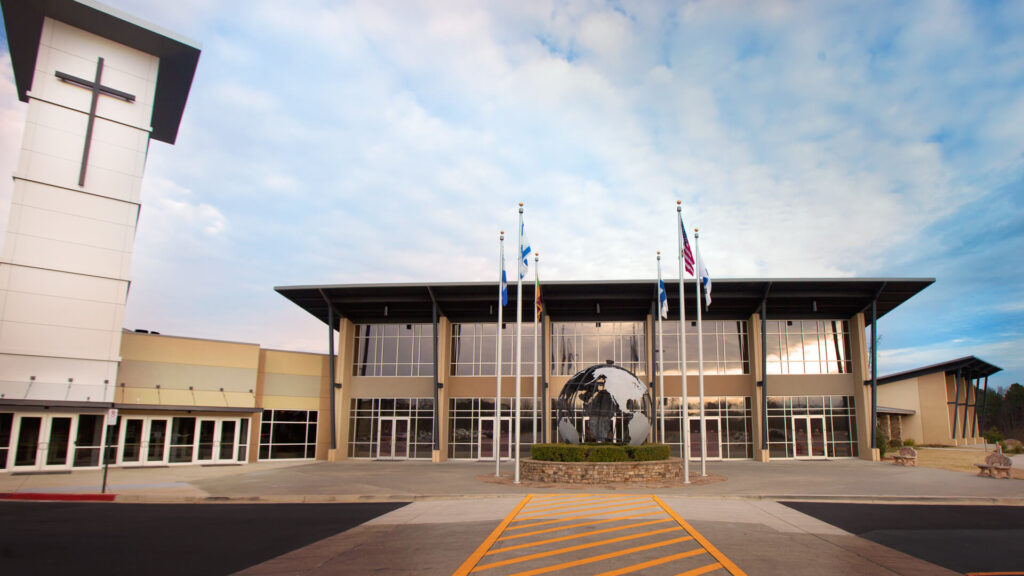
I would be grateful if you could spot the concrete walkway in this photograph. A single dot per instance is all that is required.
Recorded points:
(361, 480)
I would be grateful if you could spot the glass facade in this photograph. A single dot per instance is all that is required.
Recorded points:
(577, 345)
(6, 423)
(394, 350)
(808, 347)
(471, 427)
(288, 434)
(474, 349)
(728, 421)
(724, 341)
(812, 427)
(391, 428)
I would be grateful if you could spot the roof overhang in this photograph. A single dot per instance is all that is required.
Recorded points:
(973, 365)
(610, 300)
(179, 56)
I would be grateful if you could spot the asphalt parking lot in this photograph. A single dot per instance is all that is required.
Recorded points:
(966, 539)
(158, 539)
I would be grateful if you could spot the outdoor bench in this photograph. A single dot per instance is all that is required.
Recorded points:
(996, 465)
(907, 456)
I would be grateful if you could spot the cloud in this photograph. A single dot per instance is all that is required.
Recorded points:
(368, 141)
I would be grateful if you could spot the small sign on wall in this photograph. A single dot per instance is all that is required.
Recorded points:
(111, 416)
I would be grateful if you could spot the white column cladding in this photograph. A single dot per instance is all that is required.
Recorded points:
(66, 258)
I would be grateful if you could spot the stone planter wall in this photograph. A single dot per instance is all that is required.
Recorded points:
(601, 472)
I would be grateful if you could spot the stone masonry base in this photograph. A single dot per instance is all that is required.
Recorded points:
(601, 472)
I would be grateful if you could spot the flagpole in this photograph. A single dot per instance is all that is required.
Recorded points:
(536, 360)
(496, 431)
(519, 338)
(682, 350)
(661, 363)
(700, 360)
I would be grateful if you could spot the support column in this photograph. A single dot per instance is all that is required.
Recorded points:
(764, 377)
(874, 374)
(956, 402)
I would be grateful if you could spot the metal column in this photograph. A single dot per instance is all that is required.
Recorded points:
(984, 407)
(968, 379)
(437, 409)
(956, 402)
(331, 369)
(764, 371)
(874, 372)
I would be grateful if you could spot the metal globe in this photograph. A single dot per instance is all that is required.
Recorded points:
(605, 397)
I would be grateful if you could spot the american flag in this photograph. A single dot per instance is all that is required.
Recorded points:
(687, 253)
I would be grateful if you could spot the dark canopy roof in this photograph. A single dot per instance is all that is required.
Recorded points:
(608, 300)
(179, 56)
(977, 367)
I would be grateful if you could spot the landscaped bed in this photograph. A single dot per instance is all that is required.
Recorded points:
(598, 452)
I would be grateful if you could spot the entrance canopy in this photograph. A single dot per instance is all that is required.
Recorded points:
(609, 300)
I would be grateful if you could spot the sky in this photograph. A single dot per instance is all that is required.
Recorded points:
(390, 141)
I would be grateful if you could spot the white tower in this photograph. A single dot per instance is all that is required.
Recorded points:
(99, 85)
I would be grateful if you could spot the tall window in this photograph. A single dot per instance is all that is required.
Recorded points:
(413, 436)
(474, 347)
(725, 347)
(288, 434)
(808, 347)
(394, 350)
(576, 345)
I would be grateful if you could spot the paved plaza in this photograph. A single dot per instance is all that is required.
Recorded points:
(457, 518)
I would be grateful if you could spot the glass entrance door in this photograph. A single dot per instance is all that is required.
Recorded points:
(42, 442)
(393, 438)
(226, 445)
(155, 445)
(809, 437)
(713, 428)
(485, 439)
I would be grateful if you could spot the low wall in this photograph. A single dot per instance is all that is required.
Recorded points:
(601, 472)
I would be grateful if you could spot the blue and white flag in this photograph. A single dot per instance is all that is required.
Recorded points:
(524, 251)
(662, 296)
(504, 282)
(705, 280)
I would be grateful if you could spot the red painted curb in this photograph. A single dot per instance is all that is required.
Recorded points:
(42, 496)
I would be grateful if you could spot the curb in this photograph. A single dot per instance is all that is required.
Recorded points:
(375, 498)
(57, 497)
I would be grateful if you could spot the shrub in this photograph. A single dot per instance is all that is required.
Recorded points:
(909, 442)
(598, 452)
(883, 442)
(646, 452)
(1013, 446)
(993, 435)
(606, 454)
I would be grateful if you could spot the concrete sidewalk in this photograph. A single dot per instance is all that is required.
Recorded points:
(362, 480)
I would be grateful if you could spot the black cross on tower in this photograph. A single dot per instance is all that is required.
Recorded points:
(96, 89)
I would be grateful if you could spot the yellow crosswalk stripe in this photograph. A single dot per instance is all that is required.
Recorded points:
(588, 523)
(543, 522)
(586, 503)
(701, 570)
(651, 563)
(578, 547)
(722, 558)
(574, 536)
(593, 559)
(588, 507)
(477, 554)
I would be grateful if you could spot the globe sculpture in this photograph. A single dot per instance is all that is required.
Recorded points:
(601, 394)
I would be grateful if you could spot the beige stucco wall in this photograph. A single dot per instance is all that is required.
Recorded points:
(172, 371)
(905, 394)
